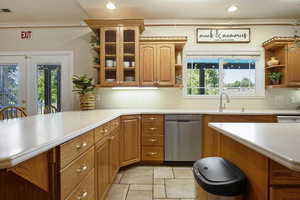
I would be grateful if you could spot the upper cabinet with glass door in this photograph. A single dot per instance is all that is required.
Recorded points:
(119, 51)
(129, 65)
(109, 54)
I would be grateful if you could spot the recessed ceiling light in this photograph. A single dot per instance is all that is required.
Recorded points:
(110, 5)
(232, 8)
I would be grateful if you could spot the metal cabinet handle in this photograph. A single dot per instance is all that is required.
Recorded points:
(152, 129)
(152, 118)
(152, 154)
(152, 140)
(79, 146)
(82, 169)
(105, 130)
(82, 196)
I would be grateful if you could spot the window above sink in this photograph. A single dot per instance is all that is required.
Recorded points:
(240, 76)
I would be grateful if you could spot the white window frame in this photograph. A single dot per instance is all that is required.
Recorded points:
(259, 71)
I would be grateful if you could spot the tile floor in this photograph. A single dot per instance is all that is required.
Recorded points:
(153, 183)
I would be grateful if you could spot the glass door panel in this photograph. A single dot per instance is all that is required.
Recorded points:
(48, 87)
(109, 53)
(129, 50)
(12, 81)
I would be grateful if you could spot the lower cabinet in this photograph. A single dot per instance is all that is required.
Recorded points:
(130, 143)
(284, 193)
(102, 176)
(114, 151)
(211, 139)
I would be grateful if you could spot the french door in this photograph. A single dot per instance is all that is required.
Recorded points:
(36, 81)
(49, 83)
(13, 81)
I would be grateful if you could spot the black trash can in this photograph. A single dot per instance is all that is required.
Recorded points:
(219, 179)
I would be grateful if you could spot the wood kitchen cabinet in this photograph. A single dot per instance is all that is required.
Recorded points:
(153, 138)
(282, 48)
(102, 168)
(130, 147)
(211, 139)
(118, 51)
(157, 64)
(114, 153)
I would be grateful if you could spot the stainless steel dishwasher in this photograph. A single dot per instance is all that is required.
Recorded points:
(183, 135)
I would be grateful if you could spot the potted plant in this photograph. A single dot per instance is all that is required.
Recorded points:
(275, 78)
(85, 88)
(94, 42)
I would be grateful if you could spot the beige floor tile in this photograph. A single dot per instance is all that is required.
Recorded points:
(183, 172)
(140, 187)
(163, 172)
(159, 181)
(159, 191)
(180, 188)
(138, 176)
(117, 191)
(139, 195)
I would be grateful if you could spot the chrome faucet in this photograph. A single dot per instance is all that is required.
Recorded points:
(221, 106)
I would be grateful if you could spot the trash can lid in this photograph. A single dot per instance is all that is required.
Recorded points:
(219, 176)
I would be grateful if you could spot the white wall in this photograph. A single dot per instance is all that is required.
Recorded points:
(77, 40)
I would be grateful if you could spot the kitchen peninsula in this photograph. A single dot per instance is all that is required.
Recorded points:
(78, 151)
(269, 155)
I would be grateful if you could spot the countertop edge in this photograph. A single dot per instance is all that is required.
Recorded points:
(291, 164)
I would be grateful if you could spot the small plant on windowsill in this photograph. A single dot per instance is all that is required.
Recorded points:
(275, 77)
(85, 87)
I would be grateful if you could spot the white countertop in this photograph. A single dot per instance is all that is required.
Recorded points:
(21, 139)
(277, 141)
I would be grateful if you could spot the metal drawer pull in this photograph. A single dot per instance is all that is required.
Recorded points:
(152, 140)
(152, 153)
(79, 146)
(105, 130)
(152, 129)
(152, 118)
(82, 169)
(82, 196)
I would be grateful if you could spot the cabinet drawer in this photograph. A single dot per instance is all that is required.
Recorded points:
(115, 123)
(154, 119)
(280, 175)
(284, 193)
(85, 190)
(152, 130)
(155, 140)
(72, 149)
(152, 154)
(101, 132)
(73, 174)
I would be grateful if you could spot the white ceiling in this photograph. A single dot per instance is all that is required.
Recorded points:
(75, 11)
(42, 11)
(194, 9)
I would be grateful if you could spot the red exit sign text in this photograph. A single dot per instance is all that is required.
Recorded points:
(26, 35)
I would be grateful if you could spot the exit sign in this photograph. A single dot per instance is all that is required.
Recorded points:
(25, 35)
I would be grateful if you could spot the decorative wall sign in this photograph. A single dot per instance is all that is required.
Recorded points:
(25, 35)
(223, 35)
